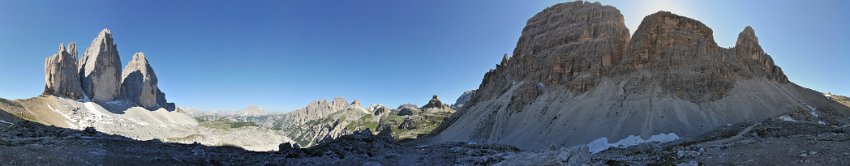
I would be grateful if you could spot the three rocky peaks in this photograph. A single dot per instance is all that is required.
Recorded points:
(98, 76)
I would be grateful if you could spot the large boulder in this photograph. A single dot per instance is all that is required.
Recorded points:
(139, 84)
(408, 110)
(100, 71)
(60, 74)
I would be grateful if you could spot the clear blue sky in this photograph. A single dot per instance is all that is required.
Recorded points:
(280, 55)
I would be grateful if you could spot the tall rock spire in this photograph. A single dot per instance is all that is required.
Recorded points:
(100, 70)
(60, 74)
(761, 65)
(139, 84)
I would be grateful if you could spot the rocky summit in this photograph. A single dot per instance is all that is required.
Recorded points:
(435, 105)
(98, 76)
(139, 84)
(577, 76)
(60, 75)
(100, 68)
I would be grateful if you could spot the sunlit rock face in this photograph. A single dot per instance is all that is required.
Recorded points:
(139, 84)
(576, 75)
(100, 68)
(61, 78)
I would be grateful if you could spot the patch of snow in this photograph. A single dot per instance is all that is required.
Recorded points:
(67, 118)
(602, 144)
(3, 121)
(540, 85)
(812, 110)
(134, 120)
(787, 118)
(821, 122)
(116, 102)
(95, 115)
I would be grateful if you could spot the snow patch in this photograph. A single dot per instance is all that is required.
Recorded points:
(3, 121)
(67, 118)
(812, 110)
(787, 118)
(117, 102)
(602, 144)
(821, 122)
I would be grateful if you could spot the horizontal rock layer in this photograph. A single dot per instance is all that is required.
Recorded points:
(577, 75)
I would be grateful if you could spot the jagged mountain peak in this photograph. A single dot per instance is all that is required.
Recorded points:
(577, 75)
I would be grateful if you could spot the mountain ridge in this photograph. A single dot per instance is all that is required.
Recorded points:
(577, 76)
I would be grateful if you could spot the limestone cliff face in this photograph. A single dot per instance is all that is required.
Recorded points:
(100, 69)
(576, 75)
(139, 84)
(98, 75)
(758, 63)
(569, 45)
(679, 55)
(61, 77)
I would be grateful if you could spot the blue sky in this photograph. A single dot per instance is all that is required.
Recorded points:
(280, 55)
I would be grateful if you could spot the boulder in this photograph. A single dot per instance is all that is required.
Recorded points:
(378, 110)
(408, 110)
(100, 68)
(407, 124)
(139, 84)
(61, 78)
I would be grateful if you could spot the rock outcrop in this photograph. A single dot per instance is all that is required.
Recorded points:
(435, 105)
(407, 110)
(576, 76)
(100, 68)
(339, 103)
(60, 75)
(356, 103)
(407, 124)
(98, 76)
(378, 110)
(139, 84)
(463, 99)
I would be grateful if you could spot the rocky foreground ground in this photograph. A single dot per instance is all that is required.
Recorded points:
(770, 142)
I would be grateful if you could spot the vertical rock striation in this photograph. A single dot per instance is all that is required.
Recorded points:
(98, 75)
(100, 69)
(576, 76)
(61, 77)
(139, 84)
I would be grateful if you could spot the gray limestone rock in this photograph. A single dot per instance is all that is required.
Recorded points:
(100, 68)
(139, 84)
(60, 74)
(463, 99)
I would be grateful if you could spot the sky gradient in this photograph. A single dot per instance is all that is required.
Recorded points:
(280, 55)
